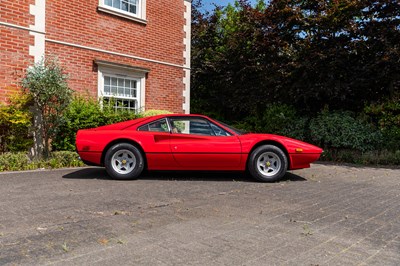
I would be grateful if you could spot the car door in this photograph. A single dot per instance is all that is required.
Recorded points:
(198, 144)
(155, 140)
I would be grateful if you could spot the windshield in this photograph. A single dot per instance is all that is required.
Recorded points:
(237, 131)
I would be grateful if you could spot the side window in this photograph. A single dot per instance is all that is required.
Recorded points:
(156, 126)
(218, 131)
(201, 127)
(196, 126)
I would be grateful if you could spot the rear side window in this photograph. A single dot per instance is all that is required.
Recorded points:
(156, 126)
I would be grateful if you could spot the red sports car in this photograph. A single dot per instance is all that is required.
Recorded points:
(190, 142)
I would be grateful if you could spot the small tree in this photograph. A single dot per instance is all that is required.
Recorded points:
(46, 83)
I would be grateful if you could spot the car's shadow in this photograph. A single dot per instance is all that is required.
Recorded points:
(100, 173)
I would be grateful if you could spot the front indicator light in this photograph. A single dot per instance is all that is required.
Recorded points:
(299, 150)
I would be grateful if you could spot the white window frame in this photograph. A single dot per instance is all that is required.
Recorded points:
(121, 72)
(140, 15)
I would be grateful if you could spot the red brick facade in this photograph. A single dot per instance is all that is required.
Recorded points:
(80, 33)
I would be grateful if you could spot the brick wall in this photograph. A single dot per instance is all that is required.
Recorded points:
(16, 12)
(88, 32)
(14, 45)
(14, 58)
(163, 83)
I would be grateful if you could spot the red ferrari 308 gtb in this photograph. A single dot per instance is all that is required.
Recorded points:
(190, 142)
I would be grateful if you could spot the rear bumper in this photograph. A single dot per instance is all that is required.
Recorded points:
(90, 158)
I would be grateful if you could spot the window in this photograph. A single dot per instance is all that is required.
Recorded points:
(197, 126)
(121, 86)
(121, 92)
(157, 126)
(130, 6)
(130, 9)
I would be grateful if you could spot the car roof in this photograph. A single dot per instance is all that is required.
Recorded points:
(179, 115)
(143, 120)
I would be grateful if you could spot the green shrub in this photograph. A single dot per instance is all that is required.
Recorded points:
(20, 161)
(154, 112)
(15, 122)
(81, 113)
(14, 161)
(340, 130)
(278, 119)
(383, 157)
(275, 119)
(387, 117)
(85, 113)
(110, 115)
(375, 157)
(59, 159)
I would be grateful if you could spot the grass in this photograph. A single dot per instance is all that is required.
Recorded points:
(65, 247)
(20, 161)
(368, 158)
(306, 230)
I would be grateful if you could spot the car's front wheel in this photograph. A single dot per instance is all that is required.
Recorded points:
(124, 161)
(267, 163)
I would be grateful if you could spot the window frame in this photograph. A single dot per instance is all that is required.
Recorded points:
(140, 15)
(156, 121)
(126, 74)
(192, 119)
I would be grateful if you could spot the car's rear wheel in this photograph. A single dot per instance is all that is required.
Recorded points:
(267, 163)
(124, 161)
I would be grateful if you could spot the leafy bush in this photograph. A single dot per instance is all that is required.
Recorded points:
(375, 157)
(15, 122)
(387, 117)
(20, 161)
(85, 113)
(14, 161)
(59, 159)
(154, 112)
(278, 119)
(340, 130)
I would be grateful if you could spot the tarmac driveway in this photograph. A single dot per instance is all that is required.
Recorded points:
(326, 215)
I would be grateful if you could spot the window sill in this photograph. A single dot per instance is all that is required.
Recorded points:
(121, 14)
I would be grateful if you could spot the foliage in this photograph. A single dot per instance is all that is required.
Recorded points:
(111, 115)
(153, 112)
(340, 130)
(278, 119)
(387, 116)
(274, 66)
(15, 161)
(15, 122)
(21, 161)
(46, 84)
(308, 54)
(383, 157)
(60, 159)
(337, 130)
(85, 113)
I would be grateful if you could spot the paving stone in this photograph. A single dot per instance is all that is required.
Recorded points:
(325, 215)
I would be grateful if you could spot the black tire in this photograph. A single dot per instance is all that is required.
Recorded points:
(124, 161)
(267, 163)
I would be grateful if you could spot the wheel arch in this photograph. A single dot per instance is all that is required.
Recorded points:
(124, 140)
(270, 142)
